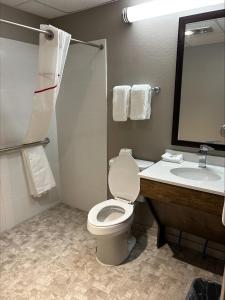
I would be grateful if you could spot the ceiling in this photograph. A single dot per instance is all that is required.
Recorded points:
(53, 8)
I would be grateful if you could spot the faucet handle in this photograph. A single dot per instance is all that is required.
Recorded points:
(205, 148)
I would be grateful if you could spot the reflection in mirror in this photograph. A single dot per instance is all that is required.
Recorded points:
(202, 89)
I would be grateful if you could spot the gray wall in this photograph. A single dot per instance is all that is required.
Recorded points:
(82, 127)
(18, 16)
(144, 52)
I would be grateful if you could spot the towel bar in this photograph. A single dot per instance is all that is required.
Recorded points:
(156, 89)
(18, 147)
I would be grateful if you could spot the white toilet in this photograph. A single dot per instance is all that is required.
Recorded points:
(110, 221)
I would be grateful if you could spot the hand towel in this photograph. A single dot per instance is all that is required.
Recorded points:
(39, 175)
(140, 102)
(121, 99)
(174, 158)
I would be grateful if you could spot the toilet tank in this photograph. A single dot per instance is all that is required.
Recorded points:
(142, 164)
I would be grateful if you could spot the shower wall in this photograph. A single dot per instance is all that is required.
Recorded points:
(82, 127)
(18, 62)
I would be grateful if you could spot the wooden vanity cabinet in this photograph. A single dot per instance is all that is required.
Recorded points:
(188, 210)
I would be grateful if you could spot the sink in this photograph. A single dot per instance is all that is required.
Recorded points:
(196, 174)
(188, 174)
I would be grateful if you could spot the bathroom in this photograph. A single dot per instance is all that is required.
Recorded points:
(172, 236)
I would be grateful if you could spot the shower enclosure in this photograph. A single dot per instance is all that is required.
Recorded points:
(77, 148)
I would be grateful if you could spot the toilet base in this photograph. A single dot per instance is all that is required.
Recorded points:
(114, 250)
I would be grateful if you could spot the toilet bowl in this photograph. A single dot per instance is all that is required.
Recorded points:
(110, 221)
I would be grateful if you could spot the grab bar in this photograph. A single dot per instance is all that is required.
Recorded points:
(22, 146)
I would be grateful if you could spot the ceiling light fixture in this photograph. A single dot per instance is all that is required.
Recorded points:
(157, 8)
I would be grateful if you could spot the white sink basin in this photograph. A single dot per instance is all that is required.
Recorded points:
(196, 174)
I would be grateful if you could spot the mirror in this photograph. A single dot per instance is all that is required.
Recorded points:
(199, 104)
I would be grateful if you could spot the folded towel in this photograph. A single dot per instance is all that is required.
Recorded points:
(121, 99)
(175, 158)
(38, 172)
(140, 102)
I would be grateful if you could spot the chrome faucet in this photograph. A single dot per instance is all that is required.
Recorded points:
(203, 155)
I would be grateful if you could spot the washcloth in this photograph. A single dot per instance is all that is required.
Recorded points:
(175, 158)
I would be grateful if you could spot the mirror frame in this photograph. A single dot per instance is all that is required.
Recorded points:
(183, 21)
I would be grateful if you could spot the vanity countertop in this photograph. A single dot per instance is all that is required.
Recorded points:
(161, 172)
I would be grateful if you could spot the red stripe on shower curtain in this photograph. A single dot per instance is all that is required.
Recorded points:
(46, 89)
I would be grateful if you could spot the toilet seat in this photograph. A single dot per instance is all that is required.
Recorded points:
(125, 211)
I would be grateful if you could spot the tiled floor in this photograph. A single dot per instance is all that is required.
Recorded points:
(52, 256)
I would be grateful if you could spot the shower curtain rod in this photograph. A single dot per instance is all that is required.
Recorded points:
(49, 34)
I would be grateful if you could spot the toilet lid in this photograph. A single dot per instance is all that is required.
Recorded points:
(124, 182)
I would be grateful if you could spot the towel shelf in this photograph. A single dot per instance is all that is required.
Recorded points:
(22, 146)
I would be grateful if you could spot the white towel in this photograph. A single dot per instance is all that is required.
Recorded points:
(174, 158)
(149, 111)
(140, 102)
(121, 100)
(39, 175)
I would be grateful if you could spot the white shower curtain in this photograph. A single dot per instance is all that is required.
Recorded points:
(52, 57)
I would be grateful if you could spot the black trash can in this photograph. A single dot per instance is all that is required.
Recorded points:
(204, 290)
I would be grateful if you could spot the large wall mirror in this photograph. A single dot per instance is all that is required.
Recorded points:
(199, 104)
